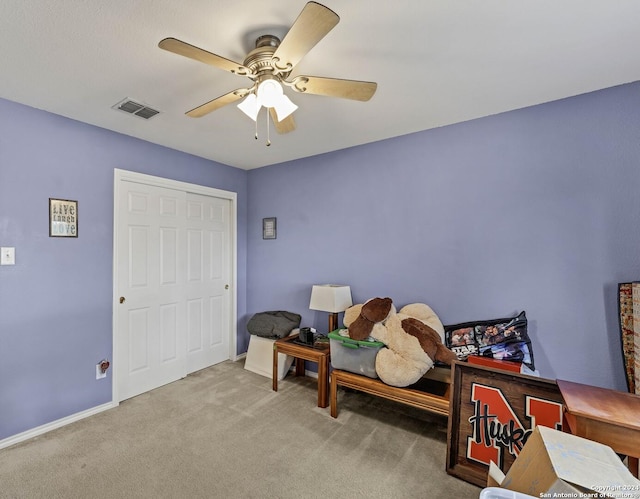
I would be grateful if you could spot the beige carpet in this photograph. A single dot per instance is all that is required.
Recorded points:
(222, 432)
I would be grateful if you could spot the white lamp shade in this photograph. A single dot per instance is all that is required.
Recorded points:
(330, 298)
(284, 107)
(250, 106)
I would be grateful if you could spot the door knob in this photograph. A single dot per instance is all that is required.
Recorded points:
(226, 286)
(122, 299)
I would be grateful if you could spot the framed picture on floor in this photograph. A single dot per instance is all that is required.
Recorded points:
(492, 414)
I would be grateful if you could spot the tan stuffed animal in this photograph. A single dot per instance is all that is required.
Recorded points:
(413, 338)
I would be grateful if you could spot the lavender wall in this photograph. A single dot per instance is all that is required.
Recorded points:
(534, 210)
(55, 303)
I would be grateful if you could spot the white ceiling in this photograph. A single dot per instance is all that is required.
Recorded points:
(436, 62)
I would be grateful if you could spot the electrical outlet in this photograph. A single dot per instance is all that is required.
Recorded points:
(99, 373)
(7, 256)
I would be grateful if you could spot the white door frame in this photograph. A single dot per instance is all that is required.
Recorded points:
(141, 178)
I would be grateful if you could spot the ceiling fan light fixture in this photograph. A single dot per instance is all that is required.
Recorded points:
(269, 94)
(270, 64)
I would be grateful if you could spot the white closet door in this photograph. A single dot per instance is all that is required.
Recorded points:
(174, 267)
(208, 277)
(152, 287)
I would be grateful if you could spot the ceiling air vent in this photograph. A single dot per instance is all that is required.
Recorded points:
(133, 107)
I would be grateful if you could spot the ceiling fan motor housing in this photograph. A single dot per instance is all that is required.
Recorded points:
(267, 40)
(260, 60)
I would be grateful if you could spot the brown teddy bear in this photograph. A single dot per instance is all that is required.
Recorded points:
(413, 337)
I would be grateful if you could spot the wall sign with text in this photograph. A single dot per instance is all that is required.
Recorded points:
(269, 228)
(63, 218)
(492, 414)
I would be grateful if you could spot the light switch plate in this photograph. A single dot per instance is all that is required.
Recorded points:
(7, 256)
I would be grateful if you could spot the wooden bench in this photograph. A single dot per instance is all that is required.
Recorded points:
(431, 393)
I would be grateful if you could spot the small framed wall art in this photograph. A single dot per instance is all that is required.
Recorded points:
(269, 228)
(63, 218)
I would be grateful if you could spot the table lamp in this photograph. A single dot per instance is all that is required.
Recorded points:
(332, 298)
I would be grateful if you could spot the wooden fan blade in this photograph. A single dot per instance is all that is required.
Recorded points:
(311, 26)
(286, 125)
(333, 87)
(192, 52)
(217, 103)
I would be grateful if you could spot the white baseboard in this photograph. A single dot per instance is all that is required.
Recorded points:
(40, 430)
(311, 374)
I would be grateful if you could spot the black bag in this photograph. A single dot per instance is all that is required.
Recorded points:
(504, 339)
(275, 324)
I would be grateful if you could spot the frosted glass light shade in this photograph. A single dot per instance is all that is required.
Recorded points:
(250, 106)
(269, 93)
(284, 107)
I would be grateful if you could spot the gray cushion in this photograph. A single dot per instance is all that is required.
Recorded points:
(273, 324)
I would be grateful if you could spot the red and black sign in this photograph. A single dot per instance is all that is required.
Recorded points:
(492, 415)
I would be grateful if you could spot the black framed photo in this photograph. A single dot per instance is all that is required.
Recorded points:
(63, 218)
(269, 228)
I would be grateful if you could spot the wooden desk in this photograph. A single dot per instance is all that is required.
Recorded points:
(606, 416)
(301, 353)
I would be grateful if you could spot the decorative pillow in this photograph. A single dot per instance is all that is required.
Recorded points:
(504, 339)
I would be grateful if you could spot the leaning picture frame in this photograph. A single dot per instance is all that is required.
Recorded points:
(63, 218)
(491, 415)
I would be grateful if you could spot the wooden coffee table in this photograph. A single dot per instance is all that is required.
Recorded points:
(606, 416)
(319, 354)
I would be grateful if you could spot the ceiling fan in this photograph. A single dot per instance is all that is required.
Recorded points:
(269, 66)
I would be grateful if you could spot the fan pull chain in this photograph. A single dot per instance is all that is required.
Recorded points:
(256, 137)
(268, 137)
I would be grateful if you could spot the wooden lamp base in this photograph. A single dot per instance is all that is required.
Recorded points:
(333, 321)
